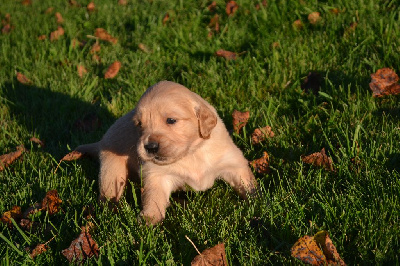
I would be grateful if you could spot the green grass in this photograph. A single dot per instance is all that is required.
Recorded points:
(358, 203)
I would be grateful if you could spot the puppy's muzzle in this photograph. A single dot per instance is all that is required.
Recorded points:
(152, 147)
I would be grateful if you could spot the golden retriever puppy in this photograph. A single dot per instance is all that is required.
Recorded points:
(172, 139)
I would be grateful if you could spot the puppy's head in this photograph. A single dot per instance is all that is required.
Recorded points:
(173, 122)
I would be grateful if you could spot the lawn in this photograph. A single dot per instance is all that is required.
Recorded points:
(357, 201)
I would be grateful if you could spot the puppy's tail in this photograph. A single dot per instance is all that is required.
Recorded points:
(91, 149)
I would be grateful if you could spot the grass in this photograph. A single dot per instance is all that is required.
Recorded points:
(358, 203)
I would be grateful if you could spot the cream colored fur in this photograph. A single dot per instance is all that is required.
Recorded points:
(194, 151)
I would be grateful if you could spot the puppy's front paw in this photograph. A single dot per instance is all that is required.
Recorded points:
(149, 219)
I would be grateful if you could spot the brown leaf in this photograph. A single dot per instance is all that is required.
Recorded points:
(212, 7)
(261, 165)
(297, 25)
(82, 248)
(314, 18)
(91, 7)
(55, 35)
(165, 19)
(260, 134)
(9, 158)
(323, 240)
(307, 250)
(214, 256)
(26, 2)
(312, 82)
(74, 3)
(335, 11)
(59, 18)
(27, 224)
(37, 141)
(226, 54)
(6, 29)
(72, 156)
(319, 159)
(39, 249)
(102, 34)
(264, 4)
(42, 37)
(81, 70)
(144, 48)
(14, 213)
(214, 23)
(239, 120)
(122, 2)
(23, 79)
(49, 10)
(112, 70)
(384, 82)
(51, 202)
(95, 48)
(231, 8)
(7, 19)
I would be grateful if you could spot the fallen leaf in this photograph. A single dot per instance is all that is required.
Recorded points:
(264, 4)
(319, 159)
(261, 165)
(122, 2)
(39, 249)
(6, 29)
(144, 48)
(72, 156)
(102, 34)
(112, 70)
(95, 48)
(73, 3)
(9, 158)
(49, 10)
(26, 2)
(51, 202)
(335, 11)
(231, 8)
(212, 7)
(214, 23)
(213, 256)
(312, 82)
(314, 18)
(7, 19)
(59, 18)
(14, 213)
(384, 82)
(91, 7)
(42, 37)
(90, 122)
(239, 120)
(226, 54)
(332, 256)
(23, 79)
(307, 250)
(297, 25)
(37, 141)
(82, 248)
(165, 19)
(76, 43)
(260, 134)
(27, 224)
(55, 35)
(81, 70)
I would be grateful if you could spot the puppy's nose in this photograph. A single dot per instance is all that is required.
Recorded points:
(151, 147)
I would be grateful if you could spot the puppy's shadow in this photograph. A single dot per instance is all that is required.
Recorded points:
(54, 117)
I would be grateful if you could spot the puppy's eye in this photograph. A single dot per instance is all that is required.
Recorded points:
(171, 121)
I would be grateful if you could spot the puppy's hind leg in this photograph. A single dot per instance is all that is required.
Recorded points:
(113, 176)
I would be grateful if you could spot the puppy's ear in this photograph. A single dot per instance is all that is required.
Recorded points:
(207, 120)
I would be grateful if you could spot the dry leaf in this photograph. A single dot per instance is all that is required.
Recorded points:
(231, 7)
(26, 2)
(72, 156)
(49, 10)
(14, 213)
(6, 29)
(312, 82)
(226, 54)
(260, 134)
(214, 256)
(102, 34)
(319, 159)
(143, 48)
(81, 70)
(91, 7)
(384, 82)
(59, 18)
(39, 249)
(122, 2)
(314, 18)
(7, 159)
(74, 3)
(239, 120)
(112, 70)
(95, 48)
(23, 79)
(307, 250)
(165, 19)
(42, 37)
(55, 35)
(27, 224)
(261, 165)
(51, 202)
(212, 7)
(37, 141)
(214, 23)
(332, 256)
(297, 25)
(82, 248)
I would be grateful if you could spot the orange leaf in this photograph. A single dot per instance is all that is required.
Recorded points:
(212, 6)
(81, 70)
(51, 202)
(384, 82)
(226, 54)
(81, 248)
(102, 34)
(323, 240)
(165, 19)
(7, 159)
(231, 8)
(95, 48)
(112, 70)
(91, 7)
(55, 35)
(39, 249)
(49, 10)
(72, 156)
(14, 213)
(37, 141)
(314, 18)
(261, 134)
(261, 165)
(26, 2)
(240, 120)
(23, 79)
(122, 2)
(214, 23)
(42, 37)
(59, 18)
(297, 25)
(212, 256)
(6, 29)
(319, 159)
(307, 250)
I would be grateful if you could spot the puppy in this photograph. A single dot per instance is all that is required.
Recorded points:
(172, 139)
